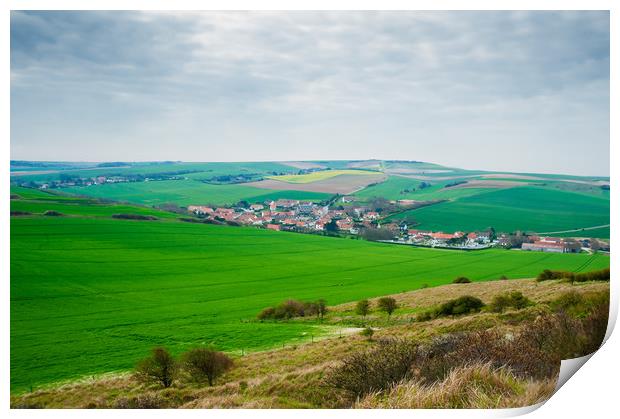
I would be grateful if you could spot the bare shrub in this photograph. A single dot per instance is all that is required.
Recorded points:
(375, 369)
(206, 364)
(160, 367)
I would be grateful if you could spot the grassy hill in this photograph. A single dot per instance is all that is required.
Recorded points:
(188, 192)
(293, 376)
(521, 208)
(91, 294)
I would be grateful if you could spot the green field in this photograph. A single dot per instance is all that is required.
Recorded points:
(196, 170)
(94, 294)
(398, 187)
(521, 208)
(187, 192)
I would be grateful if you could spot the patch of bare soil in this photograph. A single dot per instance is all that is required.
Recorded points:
(343, 184)
(303, 165)
(366, 164)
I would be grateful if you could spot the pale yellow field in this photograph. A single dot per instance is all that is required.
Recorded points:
(321, 175)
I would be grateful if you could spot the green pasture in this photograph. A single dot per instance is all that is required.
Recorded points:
(79, 208)
(521, 208)
(92, 294)
(399, 187)
(198, 170)
(186, 192)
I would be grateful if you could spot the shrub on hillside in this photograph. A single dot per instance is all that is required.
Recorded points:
(205, 364)
(374, 370)
(461, 280)
(51, 213)
(600, 275)
(160, 368)
(294, 308)
(424, 316)
(17, 213)
(387, 305)
(266, 313)
(133, 217)
(462, 305)
(580, 305)
(506, 300)
(362, 308)
(548, 274)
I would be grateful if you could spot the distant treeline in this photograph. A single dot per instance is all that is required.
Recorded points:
(134, 217)
(459, 182)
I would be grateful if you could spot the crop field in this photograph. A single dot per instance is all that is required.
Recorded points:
(94, 294)
(320, 175)
(522, 208)
(187, 192)
(194, 169)
(398, 187)
(82, 207)
(342, 184)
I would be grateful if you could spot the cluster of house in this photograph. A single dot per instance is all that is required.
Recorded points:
(97, 180)
(460, 239)
(301, 216)
(287, 214)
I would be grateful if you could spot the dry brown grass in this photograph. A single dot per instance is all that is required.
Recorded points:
(535, 291)
(474, 386)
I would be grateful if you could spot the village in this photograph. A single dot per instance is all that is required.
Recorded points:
(360, 220)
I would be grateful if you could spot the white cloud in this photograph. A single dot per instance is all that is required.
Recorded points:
(427, 85)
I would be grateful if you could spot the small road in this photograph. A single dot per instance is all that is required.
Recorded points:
(576, 230)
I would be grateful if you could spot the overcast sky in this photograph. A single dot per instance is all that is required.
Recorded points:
(519, 91)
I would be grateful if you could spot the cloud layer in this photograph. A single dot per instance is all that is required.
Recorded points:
(522, 91)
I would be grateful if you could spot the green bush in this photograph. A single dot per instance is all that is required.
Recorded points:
(462, 305)
(362, 308)
(601, 275)
(461, 280)
(387, 305)
(506, 300)
(293, 308)
(424, 316)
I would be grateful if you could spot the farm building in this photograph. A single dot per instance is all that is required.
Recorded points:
(553, 245)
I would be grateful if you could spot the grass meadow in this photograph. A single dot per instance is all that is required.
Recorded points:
(93, 294)
(522, 208)
(188, 192)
